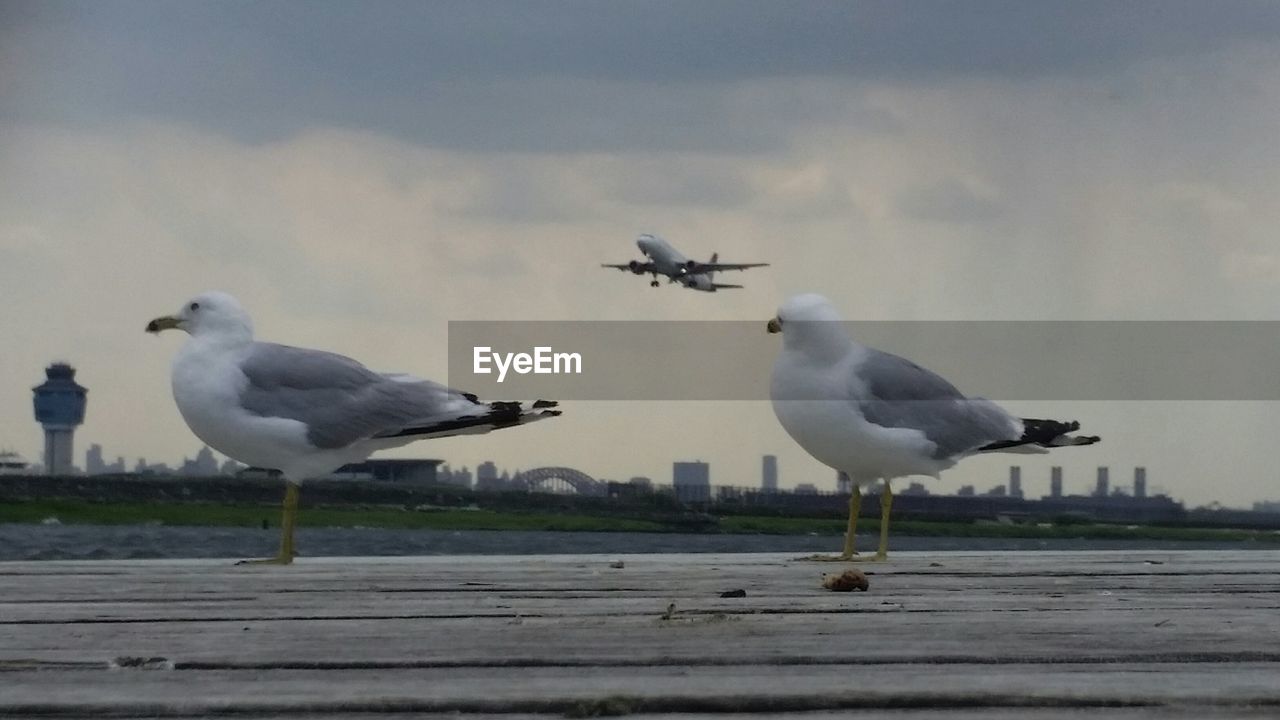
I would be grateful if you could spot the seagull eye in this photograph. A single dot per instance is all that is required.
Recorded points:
(194, 306)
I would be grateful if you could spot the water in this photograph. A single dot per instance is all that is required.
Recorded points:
(82, 542)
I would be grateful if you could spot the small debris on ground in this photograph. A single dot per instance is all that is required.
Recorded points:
(733, 593)
(846, 581)
(141, 663)
(935, 564)
(670, 613)
(617, 564)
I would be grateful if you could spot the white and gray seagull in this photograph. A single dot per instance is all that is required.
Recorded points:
(877, 416)
(307, 412)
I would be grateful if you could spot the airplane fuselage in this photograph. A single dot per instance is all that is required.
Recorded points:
(672, 263)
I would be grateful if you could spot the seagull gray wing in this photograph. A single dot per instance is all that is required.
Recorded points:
(897, 393)
(339, 400)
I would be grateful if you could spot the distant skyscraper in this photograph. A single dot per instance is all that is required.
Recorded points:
(487, 476)
(1015, 481)
(769, 473)
(1055, 482)
(844, 485)
(692, 480)
(93, 463)
(1103, 488)
(59, 404)
(1139, 482)
(204, 464)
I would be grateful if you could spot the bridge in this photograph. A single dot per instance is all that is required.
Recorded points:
(559, 479)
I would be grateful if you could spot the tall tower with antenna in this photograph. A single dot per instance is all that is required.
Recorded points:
(59, 404)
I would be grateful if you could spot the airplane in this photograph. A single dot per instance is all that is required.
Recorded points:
(666, 260)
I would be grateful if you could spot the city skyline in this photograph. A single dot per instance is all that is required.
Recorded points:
(489, 475)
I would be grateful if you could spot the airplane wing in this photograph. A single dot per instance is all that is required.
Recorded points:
(638, 268)
(722, 286)
(717, 267)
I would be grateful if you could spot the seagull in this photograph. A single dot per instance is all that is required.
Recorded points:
(876, 416)
(307, 412)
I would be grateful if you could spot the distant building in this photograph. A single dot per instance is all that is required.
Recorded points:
(691, 480)
(1015, 481)
(915, 489)
(806, 489)
(1103, 487)
(11, 463)
(59, 407)
(965, 491)
(204, 464)
(997, 491)
(487, 476)
(641, 483)
(1139, 482)
(449, 476)
(1055, 482)
(93, 464)
(844, 485)
(769, 473)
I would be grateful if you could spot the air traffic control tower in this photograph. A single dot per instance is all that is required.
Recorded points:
(59, 403)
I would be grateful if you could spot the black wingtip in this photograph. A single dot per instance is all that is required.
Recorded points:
(539, 404)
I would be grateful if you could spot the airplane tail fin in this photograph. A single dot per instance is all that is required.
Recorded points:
(715, 256)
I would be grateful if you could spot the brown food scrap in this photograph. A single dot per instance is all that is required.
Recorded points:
(846, 581)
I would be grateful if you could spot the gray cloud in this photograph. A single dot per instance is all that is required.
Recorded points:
(948, 200)
(553, 76)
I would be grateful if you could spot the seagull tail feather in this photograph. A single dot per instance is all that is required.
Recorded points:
(493, 416)
(1043, 434)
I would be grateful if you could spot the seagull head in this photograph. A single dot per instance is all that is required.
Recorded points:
(809, 322)
(208, 313)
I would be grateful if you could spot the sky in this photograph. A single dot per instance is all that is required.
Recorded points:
(359, 174)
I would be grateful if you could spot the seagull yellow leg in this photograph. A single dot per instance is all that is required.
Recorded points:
(855, 509)
(886, 502)
(287, 523)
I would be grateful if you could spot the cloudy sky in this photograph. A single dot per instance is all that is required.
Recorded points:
(358, 174)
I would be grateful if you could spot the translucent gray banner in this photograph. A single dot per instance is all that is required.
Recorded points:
(1000, 360)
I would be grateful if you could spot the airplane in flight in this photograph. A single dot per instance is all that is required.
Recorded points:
(666, 260)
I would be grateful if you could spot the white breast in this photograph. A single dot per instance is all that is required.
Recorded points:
(207, 383)
(814, 406)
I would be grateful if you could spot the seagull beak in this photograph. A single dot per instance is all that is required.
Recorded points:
(168, 322)
(774, 326)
